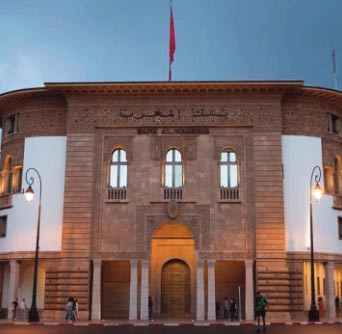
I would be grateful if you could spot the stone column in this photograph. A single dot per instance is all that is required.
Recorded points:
(144, 290)
(199, 291)
(329, 290)
(249, 283)
(96, 293)
(211, 290)
(13, 285)
(133, 291)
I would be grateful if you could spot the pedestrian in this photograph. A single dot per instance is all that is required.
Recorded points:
(321, 307)
(76, 314)
(69, 312)
(150, 307)
(337, 305)
(15, 305)
(225, 307)
(218, 309)
(260, 310)
(232, 309)
(23, 309)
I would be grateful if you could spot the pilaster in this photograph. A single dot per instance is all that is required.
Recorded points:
(133, 291)
(211, 290)
(96, 295)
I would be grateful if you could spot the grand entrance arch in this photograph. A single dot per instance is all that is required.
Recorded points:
(173, 271)
(176, 288)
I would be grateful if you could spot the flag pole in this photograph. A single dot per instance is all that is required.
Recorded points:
(172, 42)
(334, 66)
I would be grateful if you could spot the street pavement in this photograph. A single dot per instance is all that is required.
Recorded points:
(9, 327)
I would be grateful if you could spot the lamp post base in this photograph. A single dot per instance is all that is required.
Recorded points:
(33, 315)
(313, 315)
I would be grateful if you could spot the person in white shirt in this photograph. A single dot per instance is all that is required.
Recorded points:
(23, 309)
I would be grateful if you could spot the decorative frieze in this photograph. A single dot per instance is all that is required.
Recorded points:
(85, 117)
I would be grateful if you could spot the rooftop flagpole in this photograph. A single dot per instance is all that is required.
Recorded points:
(172, 44)
(333, 54)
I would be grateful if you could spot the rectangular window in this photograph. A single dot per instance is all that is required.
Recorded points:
(3, 226)
(339, 228)
(12, 124)
(335, 124)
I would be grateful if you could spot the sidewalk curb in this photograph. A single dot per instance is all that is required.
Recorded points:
(144, 323)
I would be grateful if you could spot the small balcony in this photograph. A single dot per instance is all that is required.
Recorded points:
(173, 193)
(117, 194)
(229, 194)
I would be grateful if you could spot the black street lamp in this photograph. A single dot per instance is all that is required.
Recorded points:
(33, 315)
(317, 192)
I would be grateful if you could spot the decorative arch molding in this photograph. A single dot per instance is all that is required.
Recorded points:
(235, 142)
(115, 142)
(175, 259)
(150, 218)
(187, 145)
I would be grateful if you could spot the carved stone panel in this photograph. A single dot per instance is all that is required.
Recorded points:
(161, 144)
(112, 142)
(151, 217)
(262, 111)
(236, 142)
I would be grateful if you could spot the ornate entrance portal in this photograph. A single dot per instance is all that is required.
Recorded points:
(173, 271)
(176, 288)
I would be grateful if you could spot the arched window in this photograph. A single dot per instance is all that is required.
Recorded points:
(8, 175)
(173, 169)
(118, 169)
(228, 169)
(337, 176)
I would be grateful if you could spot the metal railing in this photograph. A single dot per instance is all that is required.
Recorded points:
(229, 194)
(117, 194)
(173, 193)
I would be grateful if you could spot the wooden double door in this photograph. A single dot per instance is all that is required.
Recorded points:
(176, 288)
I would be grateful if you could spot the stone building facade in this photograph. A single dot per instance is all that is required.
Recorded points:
(183, 191)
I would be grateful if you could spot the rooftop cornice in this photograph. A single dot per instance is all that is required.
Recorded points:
(326, 94)
(169, 87)
(295, 87)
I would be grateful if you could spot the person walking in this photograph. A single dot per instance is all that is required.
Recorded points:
(69, 313)
(76, 314)
(260, 310)
(23, 309)
(15, 305)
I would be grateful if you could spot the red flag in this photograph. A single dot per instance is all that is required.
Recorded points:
(172, 36)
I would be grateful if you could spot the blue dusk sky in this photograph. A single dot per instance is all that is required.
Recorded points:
(128, 40)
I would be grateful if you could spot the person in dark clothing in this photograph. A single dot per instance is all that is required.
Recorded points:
(337, 305)
(15, 305)
(232, 309)
(218, 309)
(150, 307)
(260, 310)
